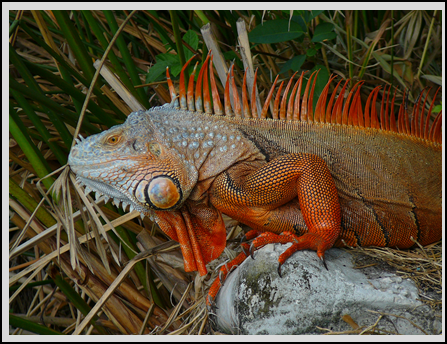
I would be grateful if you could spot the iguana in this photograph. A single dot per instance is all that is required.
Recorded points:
(331, 176)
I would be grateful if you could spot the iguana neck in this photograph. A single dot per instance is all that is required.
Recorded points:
(209, 143)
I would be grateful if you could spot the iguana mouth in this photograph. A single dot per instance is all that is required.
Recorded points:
(109, 192)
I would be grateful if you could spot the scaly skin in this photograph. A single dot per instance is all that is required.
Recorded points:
(323, 184)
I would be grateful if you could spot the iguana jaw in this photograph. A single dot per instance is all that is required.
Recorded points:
(109, 192)
(92, 172)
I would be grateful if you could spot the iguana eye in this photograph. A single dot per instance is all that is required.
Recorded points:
(113, 140)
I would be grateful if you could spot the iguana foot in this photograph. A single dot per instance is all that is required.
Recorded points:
(223, 273)
(306, 241)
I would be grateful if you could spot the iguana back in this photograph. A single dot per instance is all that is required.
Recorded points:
(389, 184)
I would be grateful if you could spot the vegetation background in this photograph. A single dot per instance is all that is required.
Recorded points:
(63, 262)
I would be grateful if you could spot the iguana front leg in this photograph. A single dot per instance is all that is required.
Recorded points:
(278, 196)
(200, 231)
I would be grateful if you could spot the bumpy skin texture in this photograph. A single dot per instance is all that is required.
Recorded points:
(262, 198)
(329, 184)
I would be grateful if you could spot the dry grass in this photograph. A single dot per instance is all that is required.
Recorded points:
(423, 265)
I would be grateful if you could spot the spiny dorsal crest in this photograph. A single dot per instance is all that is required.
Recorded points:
(338, 110)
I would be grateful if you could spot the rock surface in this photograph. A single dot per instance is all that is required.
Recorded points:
(255, 300)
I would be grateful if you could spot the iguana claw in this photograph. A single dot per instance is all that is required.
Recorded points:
(243, 239)
(279, 270)
(210, 304)
(221, 276)
(324, 263)
(245, 252)
(251, 251)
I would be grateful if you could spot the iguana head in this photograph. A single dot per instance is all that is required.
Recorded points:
(130, 164)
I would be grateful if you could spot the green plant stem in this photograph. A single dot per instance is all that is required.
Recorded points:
(102, 100)
(127, 58)
(392, 49)
(35, 91)
(30, 204)
(13, 26)
(349, 43)
(323, 50)
(178, 39)
(426, 45)
(75, 43)
(31, 326)
(33, 155)
(40, 127)
(202, 17)
(71, 117)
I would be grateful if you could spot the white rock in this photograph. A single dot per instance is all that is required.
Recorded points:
(255, 300)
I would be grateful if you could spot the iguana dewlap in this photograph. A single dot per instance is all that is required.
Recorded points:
(333, 176)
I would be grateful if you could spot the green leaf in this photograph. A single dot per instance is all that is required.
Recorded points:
(192, 39)
(275, 31)
(300, 20)
(309, 15)
(322, 80)
(154, 13)
(156, 71)
(294, 64)
(323, 31)
(176, 69)
(169, 58)
(159, 69)
(311, 52)
(437, 108)
(13, 26)
(324, 37)
(202, 17)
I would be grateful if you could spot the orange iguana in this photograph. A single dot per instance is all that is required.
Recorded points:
(331, 176)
